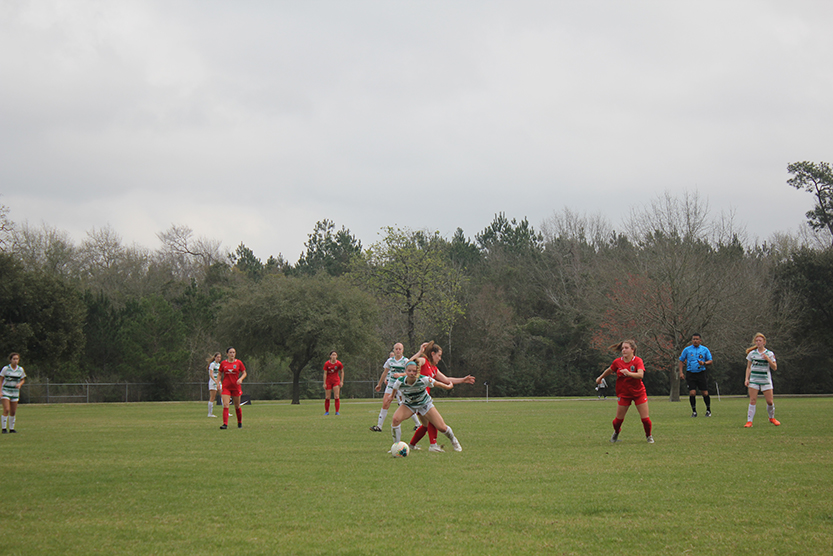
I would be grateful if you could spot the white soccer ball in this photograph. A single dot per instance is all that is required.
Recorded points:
(400, 449)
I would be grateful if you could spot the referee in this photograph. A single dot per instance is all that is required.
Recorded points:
(696, 357)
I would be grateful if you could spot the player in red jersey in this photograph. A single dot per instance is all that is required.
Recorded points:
(428, 357)
(629, 371)
(333, 381)
(232, 371)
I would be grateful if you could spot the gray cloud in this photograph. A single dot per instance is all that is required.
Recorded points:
(250, 121)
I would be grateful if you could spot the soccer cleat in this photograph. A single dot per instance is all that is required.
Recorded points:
(14, 431)
(376, 428)
(5, 431)
(708, 413)
(650, 439)
(223, 427)
(326, 413)
(774, 421)
(456, 445)
(337, 413)
(435, 448)
(239, 425)
(211, 415)
(615, 437)
(748, 425)
(694, 414)
(416, 427)
(412, 447)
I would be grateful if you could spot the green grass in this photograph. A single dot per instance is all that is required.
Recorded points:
(534, 477)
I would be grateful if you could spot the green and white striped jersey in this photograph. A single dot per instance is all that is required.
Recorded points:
(759, 371)
(11, 380)
(416, 394)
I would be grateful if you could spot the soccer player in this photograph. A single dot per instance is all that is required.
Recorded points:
(426, 360)
(759, 361)
(232, 371)
(696, 357)
(629, 371)
(12, 378)
(333, 381)
(414, 388)
(393, 368)
(213, 381)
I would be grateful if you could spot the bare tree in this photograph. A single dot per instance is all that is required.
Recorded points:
(186, 256)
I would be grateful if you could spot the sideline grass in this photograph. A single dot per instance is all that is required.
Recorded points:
(534, 477)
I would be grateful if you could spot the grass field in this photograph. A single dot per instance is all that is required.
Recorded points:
(534, 477)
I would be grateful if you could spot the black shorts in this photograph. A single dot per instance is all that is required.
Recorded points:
(696, 381)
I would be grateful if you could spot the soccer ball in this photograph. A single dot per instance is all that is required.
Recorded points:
(400, 450)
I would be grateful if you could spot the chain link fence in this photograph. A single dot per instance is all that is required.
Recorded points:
(101, 392)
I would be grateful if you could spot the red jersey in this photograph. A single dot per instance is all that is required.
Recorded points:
(428, 370)
(331, 368)
(230, 370)
(626, 386)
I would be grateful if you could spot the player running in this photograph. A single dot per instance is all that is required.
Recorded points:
(12, 378)
(333, 381)
(629, 371)
(393, 368)
(426, 359)
(414, 388)
(213, 381)
(232, 371)
(759, 361)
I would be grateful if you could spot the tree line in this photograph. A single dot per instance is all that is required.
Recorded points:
(529, 311)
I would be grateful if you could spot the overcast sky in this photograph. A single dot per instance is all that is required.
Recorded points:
(250, 121)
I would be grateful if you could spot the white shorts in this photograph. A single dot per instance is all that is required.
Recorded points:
(423, 409)
(761, 387)
(212, 385)
(11, 397)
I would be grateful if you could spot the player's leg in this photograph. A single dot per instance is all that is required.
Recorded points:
(642, 408)
(226, 401)
(327, 393)
(768, 396)
(402, 412)
(12, 414)
(621, 410)
(336, 393)
(4, 419)
(386, 401)
(753, 400)
(212, 395)
(237, 410)
(437, 421)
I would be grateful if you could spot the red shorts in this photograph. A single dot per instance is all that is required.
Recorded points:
(637, 400)
(332, 380)
(232, 389)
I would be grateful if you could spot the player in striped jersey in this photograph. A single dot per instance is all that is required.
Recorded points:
(12, 378)
(759, 362)
(414, 389)
(393, 368)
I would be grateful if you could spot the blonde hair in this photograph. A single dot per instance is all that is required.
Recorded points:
(749, 349)
(213, 357)
(618, 347)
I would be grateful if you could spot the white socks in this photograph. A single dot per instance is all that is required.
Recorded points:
(751, 413)
(3, 420)
(11, 422)
(416, 419)
(210, 408)
(382, 415)
(770, 409)
(397, 433)
(449, 433)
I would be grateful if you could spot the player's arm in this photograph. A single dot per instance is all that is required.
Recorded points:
(604, 374)
(243, 375)
(748, 371)
(468, 379)
(442, 385)
(341, 376)
(419, 355)
(772, 364)
(639, 373)
(682, 374)
(382, 378)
